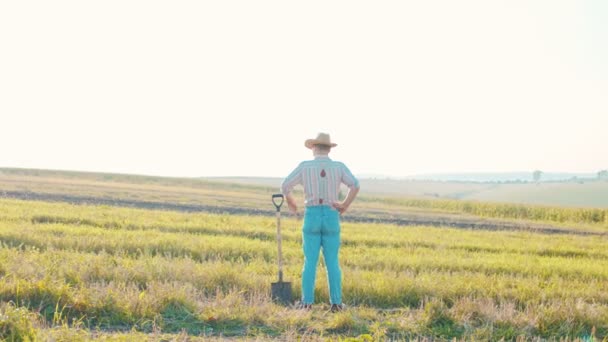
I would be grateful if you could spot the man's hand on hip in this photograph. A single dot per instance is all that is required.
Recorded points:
(340, 207)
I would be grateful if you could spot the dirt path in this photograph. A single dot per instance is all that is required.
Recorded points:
(402, 220)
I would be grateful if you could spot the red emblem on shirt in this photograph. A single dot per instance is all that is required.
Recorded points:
(323, 173)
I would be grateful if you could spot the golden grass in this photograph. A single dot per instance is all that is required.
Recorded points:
(135, 272)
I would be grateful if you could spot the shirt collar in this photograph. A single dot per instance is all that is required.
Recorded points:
(321, 157)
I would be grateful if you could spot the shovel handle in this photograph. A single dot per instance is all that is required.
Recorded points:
(279, 240)
(276, 203)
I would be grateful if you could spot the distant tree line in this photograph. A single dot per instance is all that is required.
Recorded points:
(601, 175)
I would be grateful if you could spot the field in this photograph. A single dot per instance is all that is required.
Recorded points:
(102, 271)
(589, 193)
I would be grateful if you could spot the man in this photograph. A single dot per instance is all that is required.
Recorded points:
(321, 179)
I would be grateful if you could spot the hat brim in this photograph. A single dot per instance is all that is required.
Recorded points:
(310, 143)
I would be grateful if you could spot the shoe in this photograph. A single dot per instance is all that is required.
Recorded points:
(337, 307)
(304, 306)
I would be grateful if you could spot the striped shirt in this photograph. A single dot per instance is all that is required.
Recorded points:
(321, 180)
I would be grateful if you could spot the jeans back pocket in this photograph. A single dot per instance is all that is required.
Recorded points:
(331, 223)
(312, 224)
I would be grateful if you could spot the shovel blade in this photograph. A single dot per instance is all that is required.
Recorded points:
(281, 292)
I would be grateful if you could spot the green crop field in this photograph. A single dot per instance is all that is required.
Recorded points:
(199, 270)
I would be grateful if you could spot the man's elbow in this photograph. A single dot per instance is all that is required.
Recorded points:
(285, 190)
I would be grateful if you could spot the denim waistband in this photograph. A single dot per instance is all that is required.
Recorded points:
(319, 208)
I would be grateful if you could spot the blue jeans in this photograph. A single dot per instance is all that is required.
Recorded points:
(321, 229)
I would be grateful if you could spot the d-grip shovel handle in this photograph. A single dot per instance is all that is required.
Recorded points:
(279, 204)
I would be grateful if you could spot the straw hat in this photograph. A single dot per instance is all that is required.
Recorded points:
(322, 139)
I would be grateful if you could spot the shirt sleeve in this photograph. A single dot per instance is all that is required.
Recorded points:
(348, 178)
(294, 178)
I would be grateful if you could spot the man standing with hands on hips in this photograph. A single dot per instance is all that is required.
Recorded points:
(321, 179)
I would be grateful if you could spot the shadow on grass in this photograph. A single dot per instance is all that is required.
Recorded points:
(178, 316)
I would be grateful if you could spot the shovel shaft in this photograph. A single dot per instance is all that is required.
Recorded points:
(280, 246)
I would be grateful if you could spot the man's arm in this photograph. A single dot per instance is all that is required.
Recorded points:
(289, 183)
(291, 203)
(342, 207)
(353, 185)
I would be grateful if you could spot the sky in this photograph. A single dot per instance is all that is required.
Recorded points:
(233, 88)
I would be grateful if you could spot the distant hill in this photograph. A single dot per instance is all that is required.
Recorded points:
(582, 192)
(585, 191)
(501, 176)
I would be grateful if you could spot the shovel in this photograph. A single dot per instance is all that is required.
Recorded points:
(281, 290)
